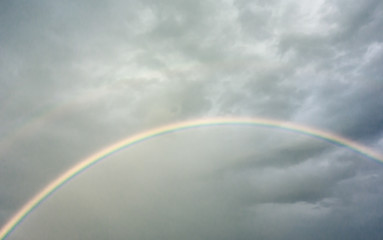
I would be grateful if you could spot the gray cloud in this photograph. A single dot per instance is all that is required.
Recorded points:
(78, 76)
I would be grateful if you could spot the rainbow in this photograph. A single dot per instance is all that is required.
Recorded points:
(130, 141)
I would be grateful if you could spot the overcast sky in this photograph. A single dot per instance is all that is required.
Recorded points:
(76, 76)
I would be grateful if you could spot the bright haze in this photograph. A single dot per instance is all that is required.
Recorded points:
(77, 76)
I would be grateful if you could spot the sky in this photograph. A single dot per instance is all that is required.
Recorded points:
(77, 76)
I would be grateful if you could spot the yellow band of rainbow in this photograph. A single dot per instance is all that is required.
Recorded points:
(125, 143)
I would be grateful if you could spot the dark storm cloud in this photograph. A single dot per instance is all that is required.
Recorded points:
(77, 76)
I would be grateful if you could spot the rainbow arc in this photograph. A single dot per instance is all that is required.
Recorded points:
(86, 163)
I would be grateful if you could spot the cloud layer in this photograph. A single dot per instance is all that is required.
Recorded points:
(80, 75)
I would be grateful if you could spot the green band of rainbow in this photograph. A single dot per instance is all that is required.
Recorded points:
(104, 153)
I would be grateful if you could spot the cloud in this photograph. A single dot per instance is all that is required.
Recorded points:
(78, 76)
